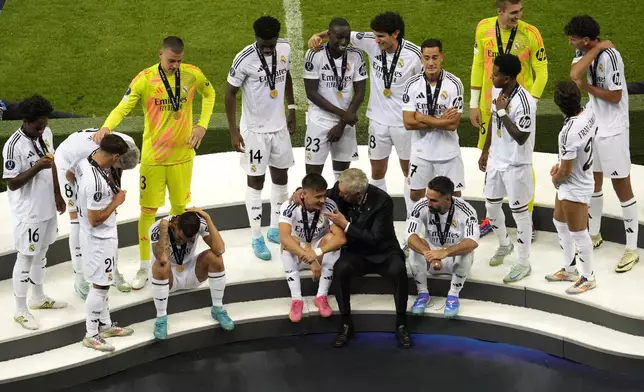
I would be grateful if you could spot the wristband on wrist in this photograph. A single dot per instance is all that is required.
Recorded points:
(501, 113)
(318, 252)
(475, 96)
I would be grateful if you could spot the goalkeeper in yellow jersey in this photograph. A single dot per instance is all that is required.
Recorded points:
(166, 91)
(505, 33)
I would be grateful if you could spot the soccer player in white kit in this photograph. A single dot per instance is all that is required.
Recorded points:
(261, 70)
(573, 178)
(394, 60)
(442, 233)
(79, 145)
(309, 237)
(177, 266)
(98, 196)
(509, 169)
(432, 108)
(335, 81)
(608, 98)
(34, 197)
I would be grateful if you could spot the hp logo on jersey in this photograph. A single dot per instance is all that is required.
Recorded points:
(525, 122)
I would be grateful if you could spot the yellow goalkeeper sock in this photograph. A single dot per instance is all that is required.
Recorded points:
(148, 215)
(534, 182)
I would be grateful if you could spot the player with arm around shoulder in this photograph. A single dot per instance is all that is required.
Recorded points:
(177, 266)
(447, 244)
(309, 237)
(573, 178)
(79, 145)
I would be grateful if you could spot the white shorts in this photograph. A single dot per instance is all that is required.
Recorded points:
(328, 260)
(272, 149)
(516, 183)
(574, 195)
(422, 171)
(186, 279)
(383, 137)
(318, 147)
(100, 258)
(67, 190)
(612, 156)
(31, 239)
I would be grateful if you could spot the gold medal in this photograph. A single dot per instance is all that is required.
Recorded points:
(179, 268)
(274, 94)
(340, 95)
(177, 115)
(307, 246)
(387, 92)
(498, 132)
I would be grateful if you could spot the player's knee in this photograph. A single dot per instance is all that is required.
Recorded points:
(341, 270)
(161, 270)
(279, 176)
(397, 270)
(215, 262)
(416, 194)
(457, 194)
(255, 182)
(73, 215)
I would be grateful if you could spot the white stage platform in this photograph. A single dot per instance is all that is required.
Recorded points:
(218, 181)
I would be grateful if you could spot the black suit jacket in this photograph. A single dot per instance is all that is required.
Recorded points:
(371, 234)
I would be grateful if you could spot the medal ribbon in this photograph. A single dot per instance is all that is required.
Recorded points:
(499, 41)
(388, 74)
(433, 100)
(175, 99)
(593, 67)
(270, 75)
(442, 235)
(111, 183)
(179, 253)
(309, 231)
(339, 81)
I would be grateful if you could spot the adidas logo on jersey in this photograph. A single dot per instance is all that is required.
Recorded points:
(326, 67)
(420, 96)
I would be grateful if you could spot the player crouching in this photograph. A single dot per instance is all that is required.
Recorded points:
(308, 236)
(451, 235)
(176, 265)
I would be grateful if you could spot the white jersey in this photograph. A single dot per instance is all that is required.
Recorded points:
(34, 201)
(576, 142)
(260, 112)
(77, 146)
(94, 193)
(292, 214)
(522, 111)
(608, 69)
(464, 223)
(437, 144)
(186, 252)
(317, 66)
(382, 109)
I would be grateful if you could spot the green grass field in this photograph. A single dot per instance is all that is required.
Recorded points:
(82, 55)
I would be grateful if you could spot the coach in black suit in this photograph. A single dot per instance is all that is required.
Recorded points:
(366, 214)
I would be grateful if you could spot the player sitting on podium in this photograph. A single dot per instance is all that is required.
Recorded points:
(177, 266)
(308, 236)
(450, 237)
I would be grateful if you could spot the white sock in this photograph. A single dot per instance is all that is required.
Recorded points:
(217, 284)
(20, 280)
(382, 183)
(462, 268)
(105, 314)
(37, 276)
(145, 264)
(497, 221)
(326, 277)
(567, 245)
(94, 306)
(279, 194)
(418, 267)
(254, 210)
(160, 293)
(336, 175)
(74, 248)
(585, 246)
(292, 272)
(631, 222)
(595, 213)
(409, 203)
(524, 236)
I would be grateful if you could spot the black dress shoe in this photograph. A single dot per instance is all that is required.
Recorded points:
(342, 338)
(404, 340)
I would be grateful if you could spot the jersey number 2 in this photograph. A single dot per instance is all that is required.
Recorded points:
(109, 264)
(589, 149)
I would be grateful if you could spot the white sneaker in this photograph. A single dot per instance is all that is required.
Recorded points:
(46, 303)
(26, 319)
(140, 279)
(121, 284)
